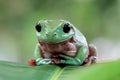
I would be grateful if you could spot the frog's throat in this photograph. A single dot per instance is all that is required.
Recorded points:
(60, 42)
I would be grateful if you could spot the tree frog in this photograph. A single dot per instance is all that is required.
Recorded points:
(60, 42)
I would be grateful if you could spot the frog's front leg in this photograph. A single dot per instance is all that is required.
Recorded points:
(41, 56)
(38, 58)
(78, 59)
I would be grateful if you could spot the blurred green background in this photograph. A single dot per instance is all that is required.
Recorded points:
(94, 18)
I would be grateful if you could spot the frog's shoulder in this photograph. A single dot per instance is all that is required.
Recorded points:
(79, 37)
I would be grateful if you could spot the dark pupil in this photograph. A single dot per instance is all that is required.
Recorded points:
(38, 27)
(66, 28)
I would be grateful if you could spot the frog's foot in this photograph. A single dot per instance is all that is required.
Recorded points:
(92, 55)
(41, 61)
(56, 61)
(70, 60)
(90, 60)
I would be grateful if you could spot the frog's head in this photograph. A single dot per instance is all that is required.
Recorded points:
(52, 31)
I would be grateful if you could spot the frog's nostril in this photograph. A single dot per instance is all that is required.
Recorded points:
(50, 35)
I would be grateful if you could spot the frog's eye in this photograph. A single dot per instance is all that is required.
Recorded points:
(38, 27)
(66, 28)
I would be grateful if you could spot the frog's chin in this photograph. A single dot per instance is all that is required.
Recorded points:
(56, 42)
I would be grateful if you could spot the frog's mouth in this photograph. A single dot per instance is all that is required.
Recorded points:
(58, 42)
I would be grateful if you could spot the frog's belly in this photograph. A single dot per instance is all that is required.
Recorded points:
(68, 48)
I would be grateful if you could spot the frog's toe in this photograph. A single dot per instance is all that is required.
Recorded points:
(90, 60)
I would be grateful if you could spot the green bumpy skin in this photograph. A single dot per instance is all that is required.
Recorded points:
(61, 43)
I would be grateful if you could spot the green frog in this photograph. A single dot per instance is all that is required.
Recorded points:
(60, 42)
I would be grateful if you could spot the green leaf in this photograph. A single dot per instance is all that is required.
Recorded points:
(12, 71)
(101, 71)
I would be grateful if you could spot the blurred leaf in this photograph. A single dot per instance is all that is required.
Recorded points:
(104, 71)
(12, 71)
